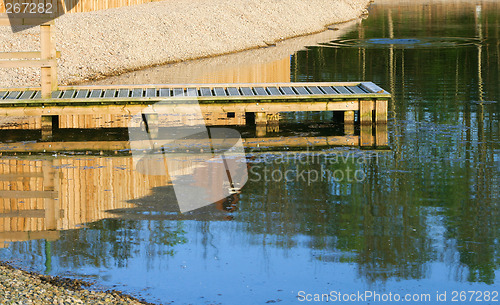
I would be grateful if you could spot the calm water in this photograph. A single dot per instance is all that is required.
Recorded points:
(420, 217)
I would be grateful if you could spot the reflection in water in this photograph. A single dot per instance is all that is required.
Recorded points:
(418, 217)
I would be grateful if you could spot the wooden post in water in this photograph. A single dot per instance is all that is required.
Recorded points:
(381, 111)
(365, 112)
(349, 117)
(381, 136)
(273, 122)
(47, 126)
(366, 135)
(51, 205)
(261, 123)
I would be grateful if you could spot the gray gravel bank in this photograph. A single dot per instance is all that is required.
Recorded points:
(113, 41)
(21, 287)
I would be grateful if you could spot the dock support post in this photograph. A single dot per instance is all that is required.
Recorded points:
(273, 122)
(349, 117)
(349, 122)
(51, 205)
(260, 118)
(48, 52)
(381, 136)
(261, 123)
(366, 135)
(365, 112)
(381, 111)
(47, 126)
(348, 129)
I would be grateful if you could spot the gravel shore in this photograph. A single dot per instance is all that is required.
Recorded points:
(110, 42)
(21, 287)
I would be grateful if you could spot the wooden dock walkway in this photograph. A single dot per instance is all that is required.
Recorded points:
(366, 97)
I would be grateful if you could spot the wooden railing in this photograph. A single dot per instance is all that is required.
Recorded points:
(46, 59)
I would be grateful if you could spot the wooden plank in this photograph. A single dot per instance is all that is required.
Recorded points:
(372, 88)
(28, 194)
(302, 90)
(23, 236)
(233, 91)
(150, 92)
(164, 92)
(13, 95)
(205, 92)
(123, 92)
(192, 92)
(56, 94)
(247, 91)
(342, 90)
(38, 213)
(95, 93)
(314, 90)
(137, 92)
(24, 55)
(27, 63)
(260, 91)
(287, 91)
(357, 90)
(27, 95)
(219, 91)
(328, 90)
(68, 94)
(110, 93)
(273, 91)
(82, 93)
(178, 92)
(17, 176)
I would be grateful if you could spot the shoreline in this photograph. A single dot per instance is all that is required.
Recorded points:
(111, 42)
(27, 287)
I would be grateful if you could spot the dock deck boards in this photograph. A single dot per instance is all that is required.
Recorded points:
(366, 97)
(203, 92)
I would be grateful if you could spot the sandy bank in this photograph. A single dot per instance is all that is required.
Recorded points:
(112, 41)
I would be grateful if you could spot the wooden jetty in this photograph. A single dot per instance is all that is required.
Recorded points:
(261, 99)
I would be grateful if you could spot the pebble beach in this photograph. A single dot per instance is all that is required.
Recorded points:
(21, 287)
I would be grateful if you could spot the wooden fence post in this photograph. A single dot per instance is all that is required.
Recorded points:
(48, 52)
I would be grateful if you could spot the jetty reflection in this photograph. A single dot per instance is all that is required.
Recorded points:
(61, 172)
